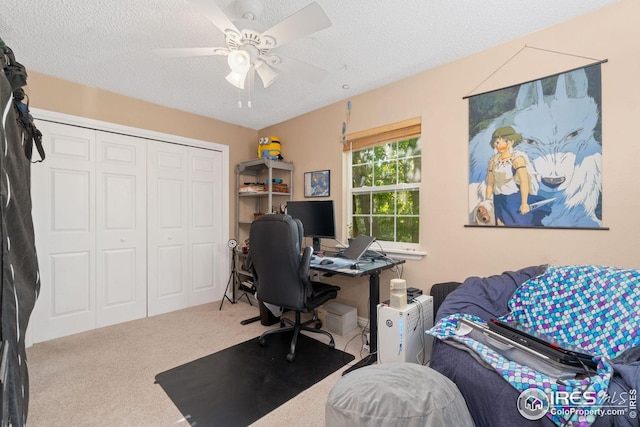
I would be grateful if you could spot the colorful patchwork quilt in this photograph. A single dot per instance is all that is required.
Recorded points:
(591, 307)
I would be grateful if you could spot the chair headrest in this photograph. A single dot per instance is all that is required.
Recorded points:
(279, 226)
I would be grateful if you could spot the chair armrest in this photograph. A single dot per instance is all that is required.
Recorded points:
(305, 262)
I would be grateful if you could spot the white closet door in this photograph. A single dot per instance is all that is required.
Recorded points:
(169, 272)
(205, 228)
(125, 227)
(121, 213)
(63, 193)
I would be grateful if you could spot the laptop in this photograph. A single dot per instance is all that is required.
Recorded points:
(347, 258)
(357, 247)
(535, 346)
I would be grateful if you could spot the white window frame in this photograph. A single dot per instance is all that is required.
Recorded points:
(397, 249)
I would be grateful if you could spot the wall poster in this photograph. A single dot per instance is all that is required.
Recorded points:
(535, 153)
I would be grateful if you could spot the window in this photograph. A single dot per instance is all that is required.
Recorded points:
(385, 168)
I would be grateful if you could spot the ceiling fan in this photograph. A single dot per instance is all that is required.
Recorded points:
(250, 48)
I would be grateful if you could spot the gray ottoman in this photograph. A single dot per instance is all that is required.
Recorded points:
(396, 394)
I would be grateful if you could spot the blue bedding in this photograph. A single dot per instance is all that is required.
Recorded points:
(491, 400)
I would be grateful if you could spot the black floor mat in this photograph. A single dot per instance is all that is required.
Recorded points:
(239, 385)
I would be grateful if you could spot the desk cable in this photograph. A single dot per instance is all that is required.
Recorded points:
(365, 342)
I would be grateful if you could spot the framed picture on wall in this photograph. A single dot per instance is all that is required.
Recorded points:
(317, 184)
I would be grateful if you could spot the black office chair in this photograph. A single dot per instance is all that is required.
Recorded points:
(281, 275)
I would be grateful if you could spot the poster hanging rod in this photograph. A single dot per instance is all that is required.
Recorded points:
(596, 61)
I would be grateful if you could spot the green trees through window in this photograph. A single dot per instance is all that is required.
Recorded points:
(385, 191)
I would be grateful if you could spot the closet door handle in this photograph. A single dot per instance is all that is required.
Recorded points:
(122, 239)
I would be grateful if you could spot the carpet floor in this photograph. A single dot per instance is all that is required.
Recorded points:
(240, 384)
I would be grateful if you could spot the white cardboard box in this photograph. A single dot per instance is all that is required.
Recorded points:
(338, 318)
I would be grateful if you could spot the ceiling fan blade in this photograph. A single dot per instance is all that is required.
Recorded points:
(190, 51)
(213, 13)
(302, 23)
(305, 71)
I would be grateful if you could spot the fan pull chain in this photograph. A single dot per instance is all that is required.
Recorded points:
(250, 87)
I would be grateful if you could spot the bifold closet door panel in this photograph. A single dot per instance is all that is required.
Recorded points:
(169, 272)
(121, 222)
(64, 200)
(186, 258)
(207, 248)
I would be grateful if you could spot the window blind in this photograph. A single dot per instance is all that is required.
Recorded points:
(405, 129)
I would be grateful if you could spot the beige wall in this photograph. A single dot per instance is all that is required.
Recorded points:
(312, 142)
(455, 252)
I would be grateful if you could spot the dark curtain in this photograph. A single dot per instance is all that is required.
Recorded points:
(20, 282)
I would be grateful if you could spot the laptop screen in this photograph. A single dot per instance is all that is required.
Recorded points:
(358, 246)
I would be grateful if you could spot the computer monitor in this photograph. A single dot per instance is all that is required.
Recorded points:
(318, 219)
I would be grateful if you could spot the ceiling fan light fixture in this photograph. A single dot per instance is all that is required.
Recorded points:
(239, 61)
(237, 79)
(248, 43)
(266, 73)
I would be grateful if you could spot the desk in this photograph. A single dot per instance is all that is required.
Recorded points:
(373, 270)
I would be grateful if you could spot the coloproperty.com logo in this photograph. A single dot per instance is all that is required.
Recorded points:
(534, 404)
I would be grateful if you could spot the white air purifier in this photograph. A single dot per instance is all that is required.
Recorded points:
(401, 336)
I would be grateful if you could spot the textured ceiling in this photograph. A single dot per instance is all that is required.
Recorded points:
(108, 44)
